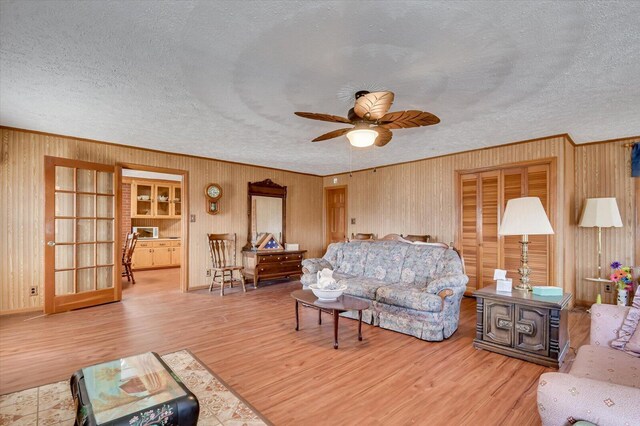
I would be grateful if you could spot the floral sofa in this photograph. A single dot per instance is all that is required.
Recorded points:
(603, 385)
(414, 288)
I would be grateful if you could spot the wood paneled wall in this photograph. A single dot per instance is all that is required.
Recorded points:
(412, 198)
(419, 198)
(604, 170)
(22, 205)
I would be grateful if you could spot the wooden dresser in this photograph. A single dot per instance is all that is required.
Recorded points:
(271, 264)
(522, 325)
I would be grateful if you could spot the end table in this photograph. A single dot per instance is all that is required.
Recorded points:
(523, 325)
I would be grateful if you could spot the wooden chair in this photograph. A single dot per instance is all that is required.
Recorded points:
(223, 259)
(127, 254)
(418, 238)
(360, 236)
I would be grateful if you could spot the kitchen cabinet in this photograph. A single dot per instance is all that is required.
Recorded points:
(157, 253)
(155, 199)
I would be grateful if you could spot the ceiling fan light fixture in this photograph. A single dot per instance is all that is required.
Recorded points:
(362, 138)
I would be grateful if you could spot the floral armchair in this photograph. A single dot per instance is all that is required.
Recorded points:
(603, 386)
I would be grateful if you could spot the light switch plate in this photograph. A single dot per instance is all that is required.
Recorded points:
(353, 220)
(193, 218)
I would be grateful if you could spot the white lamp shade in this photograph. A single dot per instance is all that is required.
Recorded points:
(601, 212)
(362, 137)
(525, 216)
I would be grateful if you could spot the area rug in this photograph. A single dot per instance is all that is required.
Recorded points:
(52, 404)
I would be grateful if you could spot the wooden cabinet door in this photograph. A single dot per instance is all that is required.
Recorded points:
(498, 322)
(162, 200)
(162, 256)
(531, 328)
(142, 257)
(176, 255)
(176, 200)
(142, 200)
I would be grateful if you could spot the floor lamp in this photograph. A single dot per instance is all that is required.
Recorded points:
(600, 213)
(525, 216)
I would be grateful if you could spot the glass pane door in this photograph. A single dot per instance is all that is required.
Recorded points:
(177, 200)
(163, 197)
(79, 258)
(144, 200)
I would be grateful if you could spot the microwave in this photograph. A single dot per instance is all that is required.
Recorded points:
(146, 231)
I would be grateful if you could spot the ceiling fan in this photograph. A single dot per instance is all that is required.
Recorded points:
(371, 120)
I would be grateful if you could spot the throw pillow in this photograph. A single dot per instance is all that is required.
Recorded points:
(628, 328)
(633, 345)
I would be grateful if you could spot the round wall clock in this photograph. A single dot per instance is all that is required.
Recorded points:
(213, 191)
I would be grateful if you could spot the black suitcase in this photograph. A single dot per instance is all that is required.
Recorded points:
(133, 391)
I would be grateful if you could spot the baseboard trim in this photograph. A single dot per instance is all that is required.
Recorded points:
(21, 311)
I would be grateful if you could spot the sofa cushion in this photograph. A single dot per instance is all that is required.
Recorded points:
(607, 365)
(384, 260)
(334, 254)
(409, 297)
(362, 287)
(449, 264)
(354, 256)
(633, 345)
(628, 327)
(420, 263)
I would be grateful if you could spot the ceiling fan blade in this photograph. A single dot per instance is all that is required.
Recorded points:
(373, 106)
(323, 117)
(331, 135)
(406, 119)
(384, 136)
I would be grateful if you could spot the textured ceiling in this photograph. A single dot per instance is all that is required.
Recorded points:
(222, 79)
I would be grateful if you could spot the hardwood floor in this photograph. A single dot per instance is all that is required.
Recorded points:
(291, 377)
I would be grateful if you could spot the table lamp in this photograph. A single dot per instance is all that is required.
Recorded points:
(525, 216)
(601, 213)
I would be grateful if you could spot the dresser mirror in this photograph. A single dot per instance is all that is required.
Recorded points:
(266, 211)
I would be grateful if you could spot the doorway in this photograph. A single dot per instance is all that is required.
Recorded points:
(153, 205)
(336, 214)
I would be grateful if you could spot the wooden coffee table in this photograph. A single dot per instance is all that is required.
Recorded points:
(344, 303)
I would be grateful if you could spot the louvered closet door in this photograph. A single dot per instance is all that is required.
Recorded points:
(513, 186)
(469, 227)
(539, 245)
(489, 244)
(483, 197)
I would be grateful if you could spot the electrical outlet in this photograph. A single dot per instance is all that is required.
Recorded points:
(607, 288)
(353, 220)
(34, 290)
(208, 272)
(193, 217)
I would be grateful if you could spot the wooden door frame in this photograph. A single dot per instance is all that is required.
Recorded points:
(184, 218)
(325, 212)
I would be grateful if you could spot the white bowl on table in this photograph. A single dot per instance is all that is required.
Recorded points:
(327, 295)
